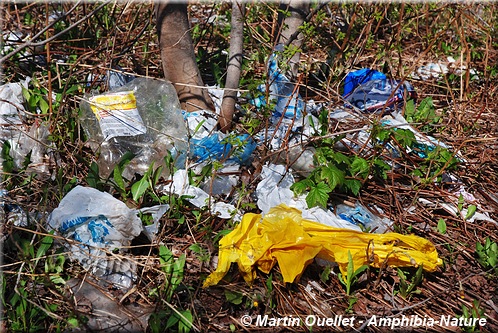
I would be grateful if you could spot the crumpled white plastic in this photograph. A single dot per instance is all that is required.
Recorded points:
(199, 198)
(274, 189)
(98, 224)
(453, 210)
(22, 138)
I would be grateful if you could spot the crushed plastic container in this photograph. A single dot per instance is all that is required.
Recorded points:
(359, 215)
(97, 224)
(223, 148)
(283, 236)
(142, 117)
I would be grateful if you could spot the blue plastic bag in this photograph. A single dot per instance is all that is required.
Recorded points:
(375, 95)
(359, 77)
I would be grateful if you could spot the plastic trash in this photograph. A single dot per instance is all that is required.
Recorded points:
(142, 117)
(12, 213)
(454, 210)
(375, 95)
(289, 142)
(225, 180)
(223, 148)
(97, 223)
(113, 78)
(103, 311)
(198, 197)
(282, 92)
(283, 236)
(431, 70)
(359, 77)
(23, 139)
(274, 189)
(359, 215)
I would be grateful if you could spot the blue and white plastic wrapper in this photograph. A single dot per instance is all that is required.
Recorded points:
(285, 94)
(359, 215)
(359, 77)
(97, 223)
(375, 95)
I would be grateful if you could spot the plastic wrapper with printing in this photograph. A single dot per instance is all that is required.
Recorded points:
(97, 225)
(142, 117)
(370, 91)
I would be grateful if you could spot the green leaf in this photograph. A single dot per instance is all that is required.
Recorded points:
(360, 270)
(340, 158)
(302, 186)
(177, 276)
(73, 322)
(353, 185)
(138, 189)
(410, 110)
(43, 106)
(172, 320)
(383, 134)
(470, 211)
(234, 297)
(8, 162)
(165, 258)
(185, 324)
(461, 200)
(360, 167)
(318, 195)
(45, 244)
(332, 175)
(93, 177)
(441, 226)
(405, 137)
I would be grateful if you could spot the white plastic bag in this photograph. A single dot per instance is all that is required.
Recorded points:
(98, 224)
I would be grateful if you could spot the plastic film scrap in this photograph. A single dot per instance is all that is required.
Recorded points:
(282, 236)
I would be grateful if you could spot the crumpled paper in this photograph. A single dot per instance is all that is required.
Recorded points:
(284, 237)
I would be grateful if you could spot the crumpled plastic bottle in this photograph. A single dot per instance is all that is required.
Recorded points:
(142, 117)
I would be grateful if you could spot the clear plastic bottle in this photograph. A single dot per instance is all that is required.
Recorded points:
(163, 127)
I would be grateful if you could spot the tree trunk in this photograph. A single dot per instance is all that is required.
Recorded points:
(178, 57)
(298, 10)
(234, 66)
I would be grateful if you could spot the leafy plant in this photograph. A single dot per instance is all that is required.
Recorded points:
(168, 317)
(352, 275)
(487, 254)
(334, 170)
(408, 288)
(234, 297)
(424, 113)
(475, 312)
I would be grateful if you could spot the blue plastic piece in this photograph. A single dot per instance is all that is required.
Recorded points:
(285, 93)
(376, 95)
(233, 149)
(359, 77)
(97, 225)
